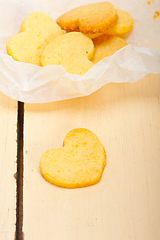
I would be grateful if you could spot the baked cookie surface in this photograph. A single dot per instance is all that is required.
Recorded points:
(28, 44)
(72, 50)
(106, 46)
(123, 25)
(79, 163)
(90, 18)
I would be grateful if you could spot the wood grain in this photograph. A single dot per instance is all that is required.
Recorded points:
(8, 167)
(125, 204)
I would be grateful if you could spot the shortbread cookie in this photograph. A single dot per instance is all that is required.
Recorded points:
(73, 50)
(79, 163)
(90, 18)
(106, 46)
(123, 25)
(35, 33)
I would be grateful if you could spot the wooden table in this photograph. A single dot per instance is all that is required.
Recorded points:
(125, 204)
(8, 167)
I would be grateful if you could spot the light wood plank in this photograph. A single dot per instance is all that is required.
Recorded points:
(8, 167)
(125, 204)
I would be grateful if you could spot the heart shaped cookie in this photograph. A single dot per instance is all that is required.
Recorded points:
(79, 163)
(73, 50)
(90, 18)
(28, 44)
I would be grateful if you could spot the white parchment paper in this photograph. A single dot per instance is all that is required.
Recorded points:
(34, 84)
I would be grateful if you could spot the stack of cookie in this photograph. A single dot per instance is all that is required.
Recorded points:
(79, 39)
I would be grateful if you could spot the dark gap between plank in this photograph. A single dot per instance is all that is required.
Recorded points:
(19, 205)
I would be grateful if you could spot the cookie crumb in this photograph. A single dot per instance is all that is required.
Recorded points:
(15, 176)
(156, 14)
